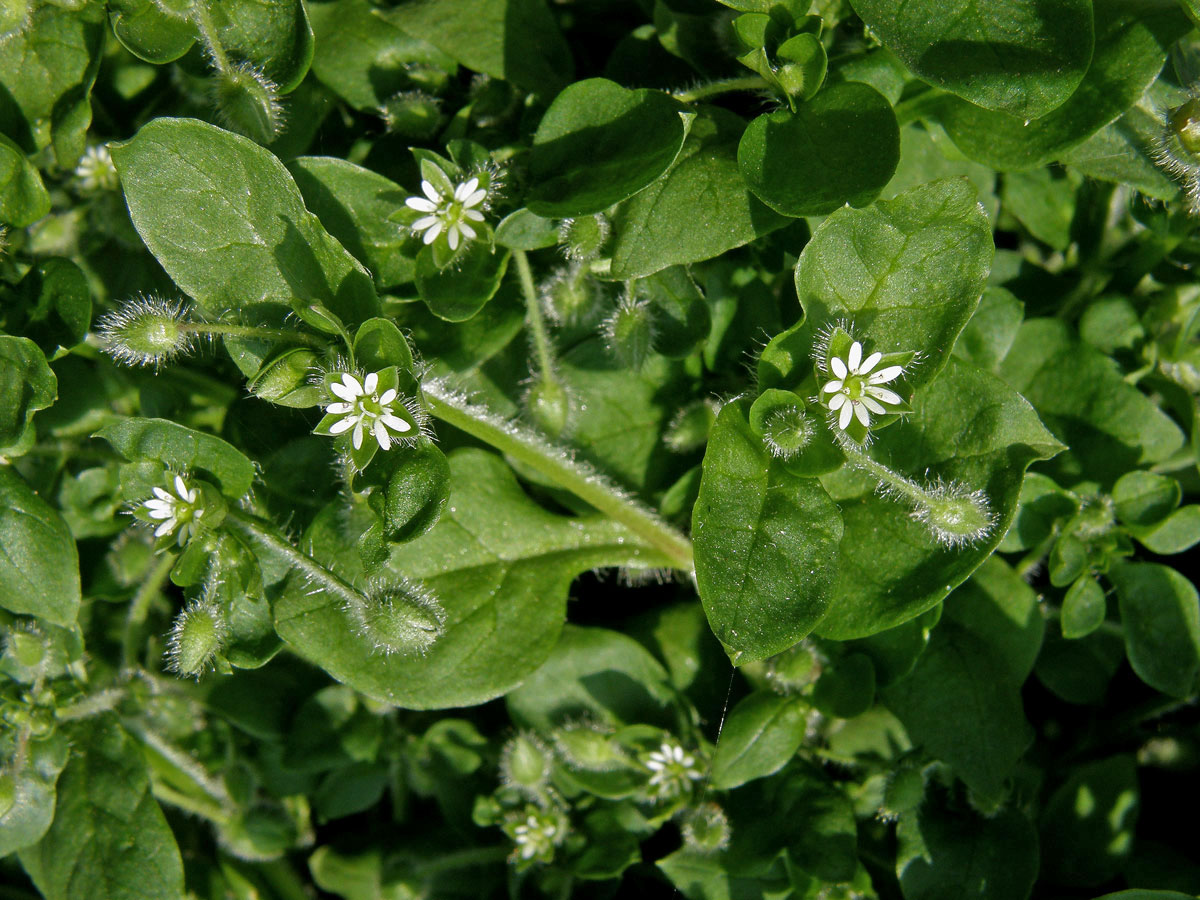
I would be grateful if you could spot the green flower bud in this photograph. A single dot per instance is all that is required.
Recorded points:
(706, 829)
(525, 764)
(196, 638)
(787, 431)
(549, 405)
(585, 747)
(954, 515)
(904, 792)
(400, 617)
(147, 331)
(1185, 123)
(571, 297)
(25, 645)
(629, 332)
(583, 238)
(412, 114)
(248, 103)
(690, 427)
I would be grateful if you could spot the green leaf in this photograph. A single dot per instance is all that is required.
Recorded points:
(681, 314)
(1176, 533)
(846, 687)
(1088, 823)
(149, 32)
(840, 147)
(26, 386)
(416, 492)
(458, 292)
(1079, 671)
(943, 855)
(1160, 613)
(966, 426)
(1045, 205)
(247, 238)
(1078, 392)
(1008, 55)
(356, 205)
(600, 143)
(765, 543)
(23, 197)
(907, 273)
(109, 840)
(365, 58)
(697, 210)
(962, 701)
(1131, 46)
(517, 40)
(39, 565)
(31, 803)
(272, 34)
(499, 564)
(989, 334)
(596, 675)
(181, 449)
(761, 734)
(1083, 608)
(57, 305)
(46, 73)
(523, 230)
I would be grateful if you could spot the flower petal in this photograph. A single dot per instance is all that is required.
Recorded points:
(854, 357)
(352, 383)
(873, 406)
(861, 412)
(395, 423)
(163, 495)
(473, 214)
(467, 230)
(340, 390)
(846, 415)
(870, 362)
(165, 528)
(181, 489)
(387, 396)
(421, 204)
(475, 199)
(434, 230)
(466, 189)
(836, 401)
(160, 513)
(339, 409)
(431, 192)
(343, 425)
(831, 386)
(839, 367)
(371, 383)
(356, 437)
(381, 435)
(425, 222)
(452, 236)
(884, 395)
(883, 376)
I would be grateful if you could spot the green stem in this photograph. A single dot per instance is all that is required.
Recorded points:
(474, 856)
(251, 331)
(205, 809)
(721, 86)
(315, 574)
(283, 878)
(139, 607)
(533, 314)
(208, 34)
(894, 480)
(556, 464)
(919, 106)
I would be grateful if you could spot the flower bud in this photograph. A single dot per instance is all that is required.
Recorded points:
(571, 297)
(690, 427)
(629, 332)
(549, 405)
(583, 238)
(1185, 124)
(954, 515)
(25, 645)
(400, 617)
(248, 103)
(787, 431)
(196, 638)
(791, 671)
(706, 829)
(585, 747)
(525, 764)
(412, 114)
(903, 793)
(146, 331)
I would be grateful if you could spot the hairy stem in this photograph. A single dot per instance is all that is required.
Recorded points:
(252, 332)
(533, 315)
(139, 607)
(556, 463)
(721, 86)
(208, 35)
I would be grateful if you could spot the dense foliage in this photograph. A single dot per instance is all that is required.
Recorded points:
(494, 448)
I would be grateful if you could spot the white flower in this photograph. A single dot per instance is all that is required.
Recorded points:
(96, 171)
(450, 213)
(855, 389)
(175, 511)
(673, 769)
(535, 837)
(364, 409)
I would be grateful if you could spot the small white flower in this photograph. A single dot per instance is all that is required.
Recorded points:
(364, 409)
(536, 832)
(673, 769)
(175, 511)
(451, 214)
(855, 389)
(96, 171)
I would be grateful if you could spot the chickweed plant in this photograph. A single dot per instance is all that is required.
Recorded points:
(513, 449)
